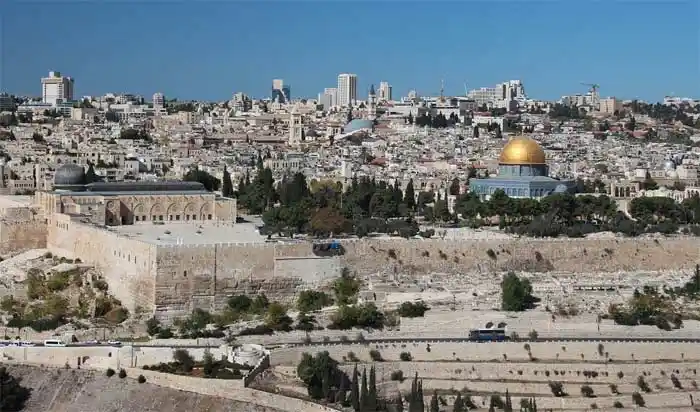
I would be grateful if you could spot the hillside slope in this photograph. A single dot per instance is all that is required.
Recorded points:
(71, 390)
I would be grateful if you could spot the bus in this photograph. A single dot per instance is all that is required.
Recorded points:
(54, 342)
(487, 335)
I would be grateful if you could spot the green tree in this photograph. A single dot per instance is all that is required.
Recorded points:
(458, 405)
(454, 187)
(320, 374)
(312, 300)
(355, 390)
(434, 405)
(227, 185)
(410, 196)
(277, 318)
(184, 360)
(210, 182)
(516, 293)
(346, 287)
(90, 175)
(208, 363)
(372, 401)
(13, 395)
(364, 392)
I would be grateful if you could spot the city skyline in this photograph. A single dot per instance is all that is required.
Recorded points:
(530, 48)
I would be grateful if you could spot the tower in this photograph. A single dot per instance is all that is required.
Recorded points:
(347, 89)
(372, 104)
(296, 127)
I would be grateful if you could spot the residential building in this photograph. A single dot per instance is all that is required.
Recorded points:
(610, 105)
(56, 88)
(384, 91)
(329, 98)
(6, 102)
(347, 89)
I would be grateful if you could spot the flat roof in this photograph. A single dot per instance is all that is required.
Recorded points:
(15, 201)
(186, 233)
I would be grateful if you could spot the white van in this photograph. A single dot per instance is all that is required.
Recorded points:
(54, 342)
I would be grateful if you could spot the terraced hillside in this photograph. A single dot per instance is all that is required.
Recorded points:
(566, 376)
(72, 390)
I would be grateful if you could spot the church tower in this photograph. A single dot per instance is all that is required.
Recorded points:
(296, 127)
(372, 104)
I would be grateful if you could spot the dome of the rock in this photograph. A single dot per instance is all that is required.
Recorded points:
(522, 151)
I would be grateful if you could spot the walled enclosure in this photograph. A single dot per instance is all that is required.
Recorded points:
(173, 280)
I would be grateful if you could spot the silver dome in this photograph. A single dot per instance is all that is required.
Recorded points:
(69, 175)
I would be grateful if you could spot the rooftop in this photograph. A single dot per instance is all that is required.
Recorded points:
(187, 233)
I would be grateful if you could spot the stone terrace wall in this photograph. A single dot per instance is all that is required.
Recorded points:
(563, 255)
(229, 389)
(128, 265)
(494, 351)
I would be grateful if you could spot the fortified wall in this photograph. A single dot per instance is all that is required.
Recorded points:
(128, 265)
(171, 280)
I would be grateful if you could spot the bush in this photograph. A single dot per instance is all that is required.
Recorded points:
(142, 379)
(613, 389)
(676, 382)
(406, 356)
(397, 376)
(618, 405)
(312, 300)
(516, 293)
(413, 310)
(363, 316)
(643, 384)
(110, 372)
(122, 373)
(587, 391)
(375, 355)
(557, 389)
(352, 357)
(638, 399)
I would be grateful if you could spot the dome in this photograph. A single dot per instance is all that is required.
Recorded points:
(69, 175)
(522, 151)
(357, 124)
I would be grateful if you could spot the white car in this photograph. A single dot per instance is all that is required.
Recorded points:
(92, 342)
(27, 343)
(114, 343)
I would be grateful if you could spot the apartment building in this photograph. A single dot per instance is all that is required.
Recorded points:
(56, 88)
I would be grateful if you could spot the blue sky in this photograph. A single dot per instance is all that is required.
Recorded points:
(211, 49)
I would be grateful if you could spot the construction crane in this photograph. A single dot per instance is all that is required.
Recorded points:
(594, 92)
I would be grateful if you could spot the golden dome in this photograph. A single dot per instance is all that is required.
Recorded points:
(522, 151)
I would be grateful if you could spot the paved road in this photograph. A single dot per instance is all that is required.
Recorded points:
(387, 340)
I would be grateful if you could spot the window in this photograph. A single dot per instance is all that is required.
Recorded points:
(208, 217)
(153, 217)
(177, 217)
(160, 217)
(143, 218)
(137, 218)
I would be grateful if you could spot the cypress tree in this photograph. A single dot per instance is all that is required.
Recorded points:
(458, 406)
(355, 390)
(90, 175)
(364, 392)
(226, 184)
(509, 404)
(372, 391)
(398, 403)
(409, 197)
(421, 401)
(434, 405)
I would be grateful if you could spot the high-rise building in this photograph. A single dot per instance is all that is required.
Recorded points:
(347, 89)
(158, 100)
(56, 88)
(280, 92)
(384, 91)
(329, 97)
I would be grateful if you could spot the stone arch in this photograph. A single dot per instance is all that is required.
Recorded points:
(174, 212)
(190, 211)
(139, 209)
(206, 211)
(156, 212)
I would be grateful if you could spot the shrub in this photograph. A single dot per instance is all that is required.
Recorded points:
(620, 375)
(594, 406)
(375, 355)
(643, 384)
(109, 372)
(613, 389)
(142, 379)
(587, 391)
(618, 405)
(397, 376)
(533, 335)
(122, 373)
(638, 399)
(406, 356)
(413, 310)
(676, 382)
(557, 389)
(352, 357)
(312, 300)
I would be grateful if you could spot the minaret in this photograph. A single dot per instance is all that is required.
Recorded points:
(372, 104)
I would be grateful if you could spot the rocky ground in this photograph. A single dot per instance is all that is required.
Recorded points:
(72, 390)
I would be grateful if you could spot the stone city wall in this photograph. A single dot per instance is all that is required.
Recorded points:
(19, 236)
(128, 265)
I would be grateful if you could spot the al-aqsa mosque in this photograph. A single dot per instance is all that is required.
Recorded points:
(522, 172)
